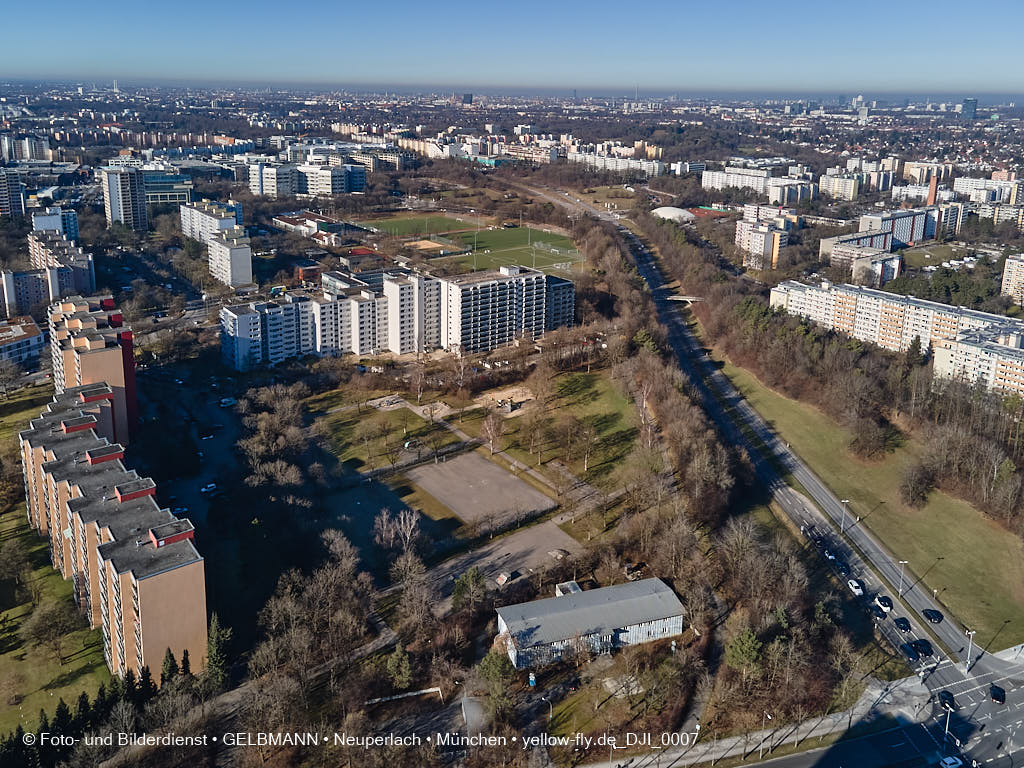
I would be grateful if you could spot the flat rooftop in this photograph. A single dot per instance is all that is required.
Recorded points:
(597, 611)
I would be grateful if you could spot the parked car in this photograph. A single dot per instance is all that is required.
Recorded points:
(842, 567)
(950, 762)
(877, 612)
(856, 587)
(829, 555)
(902, 624)
(947, 701)
(932, 615)
(884, 602)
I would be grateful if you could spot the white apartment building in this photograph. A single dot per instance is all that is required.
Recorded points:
(414, 313)
(998, 191)
(201, 221)
(1013, 278)
(230, 257)
(889, 320)
(761, 243)
(56, 219)
(273, 180)
(408, 313)
(611, 163)
(124, 198)
(732, 176)
(992, 356)
(782, 191)
(485, 310)
(840, 187)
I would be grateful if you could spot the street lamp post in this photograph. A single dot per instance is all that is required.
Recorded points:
(760, 750)
(842, 527)
(970, 647)
(945, 736)
(903, 564)
(550, 708)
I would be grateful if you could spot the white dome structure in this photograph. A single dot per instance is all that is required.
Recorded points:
(678, 215)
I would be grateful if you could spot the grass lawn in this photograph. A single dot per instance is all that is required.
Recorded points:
(33, 672)
(593, 399)
(976, 566)
(419, 225)
(932, 255)
(402, 426)
(21, 407)
(341, 397)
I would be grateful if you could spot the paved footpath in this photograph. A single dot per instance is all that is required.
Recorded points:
(901, 699)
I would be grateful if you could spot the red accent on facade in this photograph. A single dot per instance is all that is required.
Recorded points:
(101, 396)
(78, 427)
(126, 339)
(170, 539)
(106, 303)
(134, 494)
(100, 459)
(116, 319)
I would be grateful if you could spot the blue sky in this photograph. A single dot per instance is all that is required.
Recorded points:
(664, 45)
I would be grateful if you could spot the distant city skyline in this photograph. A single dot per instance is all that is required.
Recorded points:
(597, 47)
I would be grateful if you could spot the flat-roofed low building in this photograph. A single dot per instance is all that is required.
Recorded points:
(598, 620)
(20, 340)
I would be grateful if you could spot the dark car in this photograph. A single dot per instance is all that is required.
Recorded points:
(932, 615)
(997, 694)
(923, 647)
(877, 612)
(910, 652)
(842, 567)
(947, 701)
(901, 624)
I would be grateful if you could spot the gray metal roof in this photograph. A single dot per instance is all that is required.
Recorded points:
(596, 611)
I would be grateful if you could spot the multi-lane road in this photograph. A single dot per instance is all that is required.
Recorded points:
(985, 731)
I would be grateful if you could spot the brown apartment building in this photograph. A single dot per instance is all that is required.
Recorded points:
(135, 568)
(90, 343)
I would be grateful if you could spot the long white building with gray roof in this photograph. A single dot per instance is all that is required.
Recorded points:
(543, 631)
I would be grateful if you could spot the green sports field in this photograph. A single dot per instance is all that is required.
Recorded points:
(403, 226)
(520, 245)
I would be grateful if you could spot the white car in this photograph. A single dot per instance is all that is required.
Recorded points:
(855, 587)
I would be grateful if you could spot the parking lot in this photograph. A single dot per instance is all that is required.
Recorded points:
(476, 489)
(518, 554)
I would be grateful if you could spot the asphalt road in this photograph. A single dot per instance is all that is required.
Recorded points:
(989, 733)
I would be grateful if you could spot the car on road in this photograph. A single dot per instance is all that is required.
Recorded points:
(923, 647)
(932, 615)
(910, 652)
(877, 612)
(901, 624)
(842, 567)
(884, 602)
(950, 762)
(828, 555)
(208, 488)
(947, 701)
(997, 694)
(856, 587)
